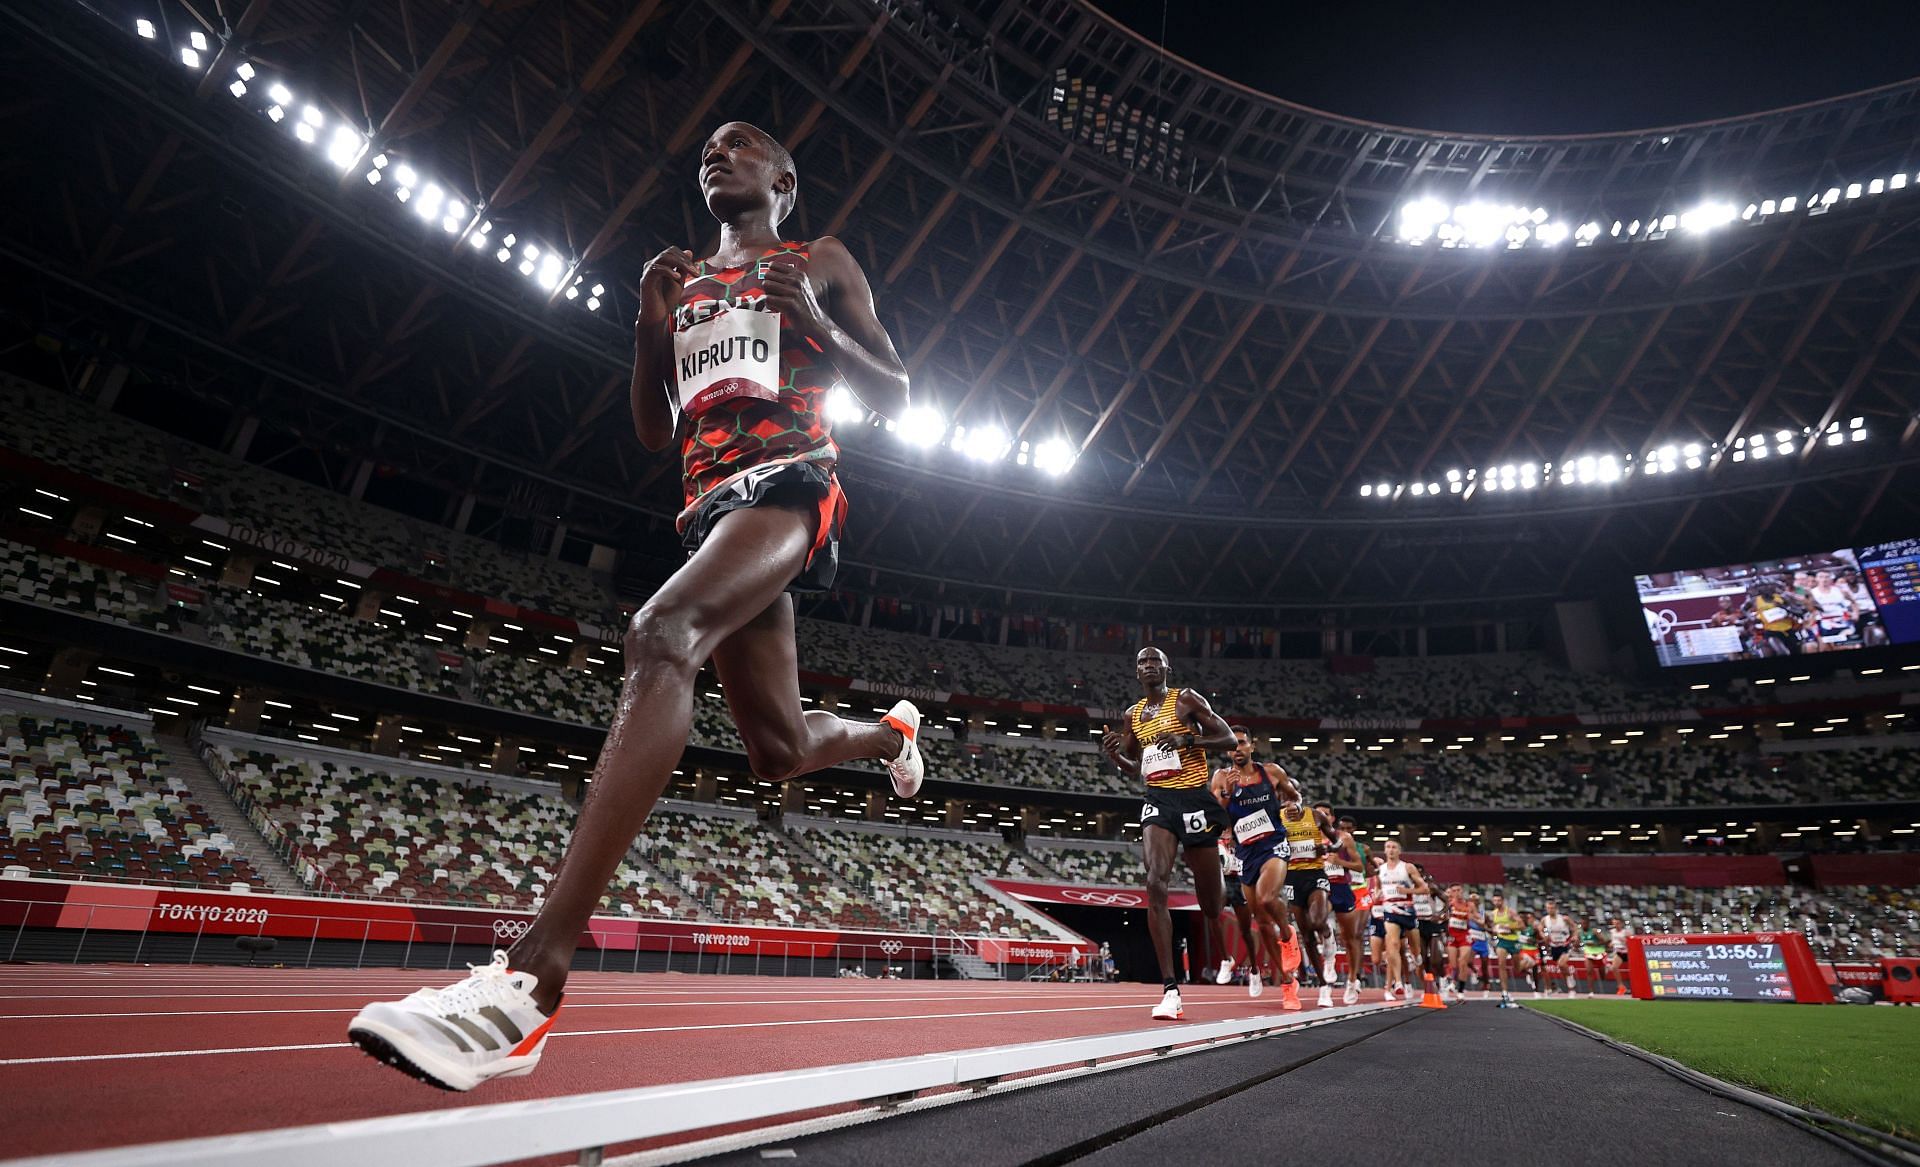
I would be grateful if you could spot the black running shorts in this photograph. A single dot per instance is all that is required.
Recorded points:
(806, 485)
(1301, 884)
(1193, 815)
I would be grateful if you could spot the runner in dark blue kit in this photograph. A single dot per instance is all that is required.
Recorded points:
(1252, 792)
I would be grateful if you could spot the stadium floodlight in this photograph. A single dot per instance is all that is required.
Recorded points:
(530, 251)
(1517, 236)
(275, 113)
(599, 289)
(573, 293)
(1609, 468)
(451, 225)
(1768, 207)
(1831, 197)
(198, 40)
(313, 117)
(1853, 190)
(280, 94)
(457, 209)
(843, 408)
(987, 443)
(922, 425)
(1706, 217)
(431, 199)
(526, 267)
(304, 132)
(190, 58)
(1586, 234)
(404, 175)
(403, 194)
(1366, 490)
(1897, 182)
(552, 271)
(1484, 223)
(345, 147)
(1877, 186)
(1055, 456)
(1419, 489)
(1669, 222)
(145, 29)
(1554, 234)
(1788, 204)
(1383, 490)
(1752, 210)
(1453, 476)
(593, 303)
(477, 240)
(245, 70)
(503, 255)
(380, 160)
(1420, 218)
(238, 88)
(373, 178)
(1783, 436)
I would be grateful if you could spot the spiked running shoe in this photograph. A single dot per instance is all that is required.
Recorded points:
(484, 1027)
(908, 769)
(1225, 975)
(1254, 987)
(1290, 996)
(1169, 1007)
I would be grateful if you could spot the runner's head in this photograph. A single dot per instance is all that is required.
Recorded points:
(1242, 753)
(744, 171)
(1499, 901)
(1553, 907)
(1392, 848)
(1151, 667)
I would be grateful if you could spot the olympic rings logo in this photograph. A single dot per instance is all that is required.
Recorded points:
(511, 929)
(1103, 899)
(891, 947)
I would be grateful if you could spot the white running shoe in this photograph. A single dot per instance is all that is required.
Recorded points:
(484, 1027)
(1169, 1007)
(1352, 995)
(908, 769)
(1254, 987)
(1326, 996)
(1225, 975)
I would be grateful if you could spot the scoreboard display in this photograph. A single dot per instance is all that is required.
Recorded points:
(1751, 966)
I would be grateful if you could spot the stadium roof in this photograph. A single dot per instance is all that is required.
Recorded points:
(1287, 360)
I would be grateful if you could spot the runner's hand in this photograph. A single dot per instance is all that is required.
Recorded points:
(661, 285)
(790, 290)
(1110, 742)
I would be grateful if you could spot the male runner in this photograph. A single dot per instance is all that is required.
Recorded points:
(1556, 942)
(1530, 952)
(1343, 860)
(1504, 924)
(733, 358)
(1250, 792)
(1459, 937)
(1430, 908)
(1164, 741)
(1399, 880)
(1242, 914)
(1593, 952)
(1307, 883)
(1478, 943)
(1617, 933)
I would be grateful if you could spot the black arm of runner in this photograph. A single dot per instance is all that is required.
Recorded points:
(1214, 733)
(853, 337)
(1122, 749)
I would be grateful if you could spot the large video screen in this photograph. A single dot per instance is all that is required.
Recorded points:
(1841, 600)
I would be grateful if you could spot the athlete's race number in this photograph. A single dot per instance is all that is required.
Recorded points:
(1148, 811)
(1195, 821)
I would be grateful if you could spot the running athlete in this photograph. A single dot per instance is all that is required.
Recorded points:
(1376, 921)
(1399, 880)
(1479, 945)
(1557, 935)
(734, 356)
(1242, 914)
(1617, 933)
(1530, 951)
(1459, 938)
(1430, 908)
(1593, 951)
(1164, 741)
(1250, 792)
(1344, 858)
(1307, 883)
(1504, 924)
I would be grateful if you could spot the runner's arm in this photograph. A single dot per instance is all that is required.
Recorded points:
(1217, 786)
(1121, 748)
(649, 392)
(1419, 881)
(1347, 852)
(851, 336)
(1214, 734)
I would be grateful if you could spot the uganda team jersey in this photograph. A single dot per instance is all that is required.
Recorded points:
(727, 349)
(1162, 764)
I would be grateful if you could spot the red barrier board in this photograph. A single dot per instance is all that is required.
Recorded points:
(1729, 966)
(46, 903)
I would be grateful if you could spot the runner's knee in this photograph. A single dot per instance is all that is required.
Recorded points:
(1157, 889)
(662, 638)
(775, 755)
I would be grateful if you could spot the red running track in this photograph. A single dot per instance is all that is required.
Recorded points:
(99, 1056)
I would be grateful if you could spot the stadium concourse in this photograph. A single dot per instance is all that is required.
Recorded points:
(1036, 474)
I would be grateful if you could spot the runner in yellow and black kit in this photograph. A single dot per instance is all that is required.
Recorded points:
(1504, 923)
(1165, 740)
(1308, 835)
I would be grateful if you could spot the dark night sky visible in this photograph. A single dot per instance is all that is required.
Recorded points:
(1545, 68)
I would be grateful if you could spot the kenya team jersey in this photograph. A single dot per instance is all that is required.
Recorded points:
(742, 432)
(1160, 764)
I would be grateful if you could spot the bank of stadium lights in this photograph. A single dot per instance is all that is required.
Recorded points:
(924, 427)
(1607, 469)
(1496, 225)
(345, 147)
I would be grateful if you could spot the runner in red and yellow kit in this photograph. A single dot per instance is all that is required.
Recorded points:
(734, 355)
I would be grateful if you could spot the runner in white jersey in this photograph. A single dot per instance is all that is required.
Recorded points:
(1342, 863)
(1556, 948)
(1617, 933)
(1399, 880)
(1376, 920)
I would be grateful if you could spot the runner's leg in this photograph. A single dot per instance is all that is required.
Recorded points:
(1204, 863)
(743, 567)
(1159, 846)
(760, 677)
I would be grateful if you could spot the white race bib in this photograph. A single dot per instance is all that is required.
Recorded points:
(1158, 759)
(733, 354)
(1253, 826)
(1773, 615)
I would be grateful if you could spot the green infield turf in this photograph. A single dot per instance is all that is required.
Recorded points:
(1857, 1063)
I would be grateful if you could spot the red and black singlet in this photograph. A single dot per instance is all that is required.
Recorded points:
(739, 434)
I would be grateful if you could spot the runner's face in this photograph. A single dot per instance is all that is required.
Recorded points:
(1151, 667)
(1393, 851)
(737, 167)
(1242, 749)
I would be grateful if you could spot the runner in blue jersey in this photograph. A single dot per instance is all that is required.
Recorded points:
(1253, 793)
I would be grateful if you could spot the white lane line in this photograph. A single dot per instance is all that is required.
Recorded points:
(190, 1053)
(717, 997)
(571, 1006)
